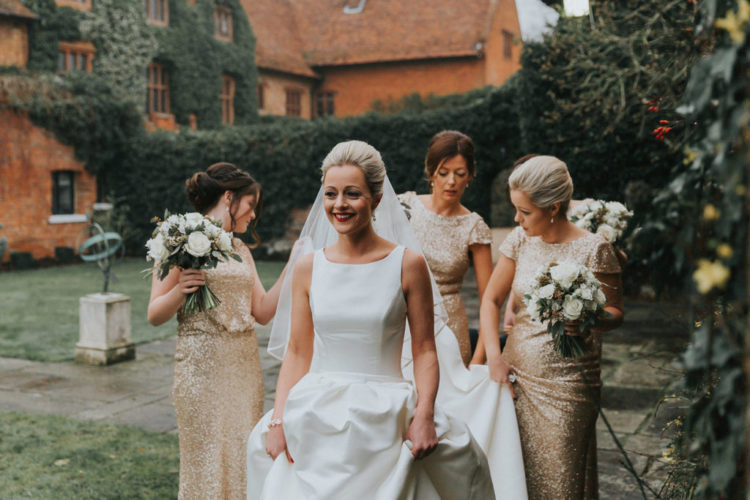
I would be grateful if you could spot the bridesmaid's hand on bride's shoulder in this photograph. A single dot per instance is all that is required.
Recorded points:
(276, 443)
(501, 372)
(421, 433)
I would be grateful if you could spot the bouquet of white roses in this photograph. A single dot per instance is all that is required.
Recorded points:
(190, 241)
(608, 218)
(563, 292)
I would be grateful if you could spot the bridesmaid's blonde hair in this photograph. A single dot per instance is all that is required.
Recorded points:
(545, 180)
(359, 154)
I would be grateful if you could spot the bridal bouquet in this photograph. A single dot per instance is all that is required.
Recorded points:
(563, 292)
(608, 218)
(190, 241)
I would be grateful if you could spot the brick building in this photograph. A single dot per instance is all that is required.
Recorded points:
(45, 192)
(319, 58)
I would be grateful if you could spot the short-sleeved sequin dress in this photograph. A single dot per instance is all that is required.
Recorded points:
(218, 386)
(445, 242)
(556, 408)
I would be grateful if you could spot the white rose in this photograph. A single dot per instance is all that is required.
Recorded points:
(193, 219)
(585, 293)
(600, 298)
(157, 250)
(212, 231)
(572, 308)
(564, 273)
(532, 307)
(547, 291)
(198, 244)
(224, 242)
(609, 233)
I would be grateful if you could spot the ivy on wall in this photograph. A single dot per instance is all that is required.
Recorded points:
(126, 44)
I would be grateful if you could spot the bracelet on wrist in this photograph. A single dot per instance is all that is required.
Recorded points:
(275, 422)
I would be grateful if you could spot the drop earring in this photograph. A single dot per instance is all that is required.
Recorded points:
(552, 220)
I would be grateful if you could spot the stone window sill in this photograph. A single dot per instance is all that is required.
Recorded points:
(66, 218)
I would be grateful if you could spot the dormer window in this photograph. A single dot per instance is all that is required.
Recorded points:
(354, 9)
(157, 12)
(223, 23)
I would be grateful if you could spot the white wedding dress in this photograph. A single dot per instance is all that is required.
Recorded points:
(344, 421)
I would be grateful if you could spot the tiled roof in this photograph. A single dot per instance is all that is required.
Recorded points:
(390, 30)
(277, 43)
(14, 8)
(297, 35)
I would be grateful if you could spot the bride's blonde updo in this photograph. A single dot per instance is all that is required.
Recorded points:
(359, 154)
(545, 180)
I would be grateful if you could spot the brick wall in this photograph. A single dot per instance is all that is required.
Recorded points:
(356, 87)
(275, 86)
(14, 42)
(498, 67)
(28, 156)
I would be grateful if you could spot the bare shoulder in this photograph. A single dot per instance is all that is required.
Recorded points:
(413, 262)
(304, 265)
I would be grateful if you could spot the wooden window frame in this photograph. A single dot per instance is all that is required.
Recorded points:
(77, 50)
(293, 108)
(57, 190)
(222, 12)
(227, 99)
(507, 44)
(75, 4)
(325, 103)
(157, 84)
(154, 4)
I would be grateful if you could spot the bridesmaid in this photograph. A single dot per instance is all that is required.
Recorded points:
(449, 233)
(218, 386)
(558, 397)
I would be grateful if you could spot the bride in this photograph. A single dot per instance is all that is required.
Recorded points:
(346, 424)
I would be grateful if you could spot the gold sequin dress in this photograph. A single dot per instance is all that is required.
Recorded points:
(445, 243)
(218, 385)
(556, 409)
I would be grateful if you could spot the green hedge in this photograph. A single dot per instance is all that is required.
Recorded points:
(285, 157)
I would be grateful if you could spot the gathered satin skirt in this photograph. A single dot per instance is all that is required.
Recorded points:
(345, 433)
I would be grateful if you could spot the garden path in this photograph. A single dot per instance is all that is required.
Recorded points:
(638, 369)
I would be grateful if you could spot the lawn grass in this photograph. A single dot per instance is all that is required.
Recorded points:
(39, 307)
(47, 457)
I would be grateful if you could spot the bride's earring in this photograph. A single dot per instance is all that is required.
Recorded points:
(552, 220)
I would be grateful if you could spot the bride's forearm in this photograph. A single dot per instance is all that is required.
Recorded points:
(293, 368)
(426, 377)
(489, 324)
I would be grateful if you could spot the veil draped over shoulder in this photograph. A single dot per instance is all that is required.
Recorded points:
(467, 394)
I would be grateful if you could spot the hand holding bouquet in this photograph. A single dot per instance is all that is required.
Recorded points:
(563, 293)
(608, 218)
(190, 241)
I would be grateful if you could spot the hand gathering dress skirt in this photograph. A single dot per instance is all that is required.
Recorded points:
(345, 420)
(218, 386)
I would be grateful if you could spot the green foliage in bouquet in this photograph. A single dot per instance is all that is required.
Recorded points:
(190, 241)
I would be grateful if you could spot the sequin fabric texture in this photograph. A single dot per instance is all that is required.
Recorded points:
(445, 242)
(218, 385)
(556, 407)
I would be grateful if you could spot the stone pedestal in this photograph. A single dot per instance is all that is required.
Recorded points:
(104, 329)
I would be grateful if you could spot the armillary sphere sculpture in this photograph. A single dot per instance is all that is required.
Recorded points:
(101, 248)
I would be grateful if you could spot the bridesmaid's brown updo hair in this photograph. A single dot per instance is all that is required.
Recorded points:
(445, 145)
(204, 189)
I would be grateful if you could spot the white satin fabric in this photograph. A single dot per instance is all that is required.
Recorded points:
(345, 420)
(469, 395)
